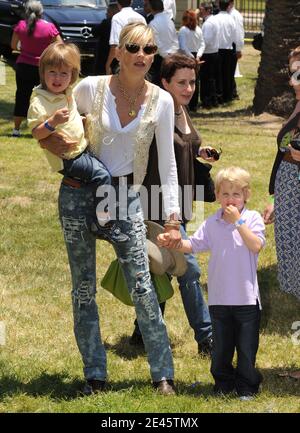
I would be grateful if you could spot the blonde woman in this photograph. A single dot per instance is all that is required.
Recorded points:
(124, 114)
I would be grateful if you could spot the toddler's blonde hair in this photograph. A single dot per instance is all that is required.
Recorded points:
(235, 175)
(60, 54)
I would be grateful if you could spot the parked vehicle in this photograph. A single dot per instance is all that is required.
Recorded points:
(76, 20)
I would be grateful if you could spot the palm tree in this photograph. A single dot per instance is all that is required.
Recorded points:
(281, 34)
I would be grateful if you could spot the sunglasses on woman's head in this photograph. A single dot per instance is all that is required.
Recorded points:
(135, 48)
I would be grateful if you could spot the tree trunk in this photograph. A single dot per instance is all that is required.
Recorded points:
(281, 34)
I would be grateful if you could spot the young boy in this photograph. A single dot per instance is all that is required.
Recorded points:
(53, 108)
(234, 235)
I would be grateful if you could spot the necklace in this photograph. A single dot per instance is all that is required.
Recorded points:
(131, 100)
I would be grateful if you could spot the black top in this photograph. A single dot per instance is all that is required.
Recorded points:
(186, 147)
(291, 125)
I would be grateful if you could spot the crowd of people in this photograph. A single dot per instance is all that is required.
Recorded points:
(113, 135)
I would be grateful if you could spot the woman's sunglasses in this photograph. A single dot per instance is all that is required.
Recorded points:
(214, 153)
(135, 48)
(294, 74)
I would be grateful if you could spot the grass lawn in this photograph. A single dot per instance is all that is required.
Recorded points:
(40, 366)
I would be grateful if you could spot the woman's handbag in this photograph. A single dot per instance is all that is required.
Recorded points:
(203, 177)
(115, 283)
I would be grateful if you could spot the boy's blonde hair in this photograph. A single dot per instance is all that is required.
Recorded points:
(136, 32)
(59, 54)
(235, 175)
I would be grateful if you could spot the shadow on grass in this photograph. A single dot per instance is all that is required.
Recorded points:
(6, 110)
(57, 386)
(279, 310)
(277, 382)
(126, 350)
(8, 135)
(217, 114)
(60, 387)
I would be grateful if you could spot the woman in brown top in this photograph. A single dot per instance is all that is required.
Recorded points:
(178, 76)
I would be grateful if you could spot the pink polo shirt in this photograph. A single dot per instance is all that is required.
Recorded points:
(33, 46)
(232, 277)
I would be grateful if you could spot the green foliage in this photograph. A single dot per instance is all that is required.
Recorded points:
(40, 366)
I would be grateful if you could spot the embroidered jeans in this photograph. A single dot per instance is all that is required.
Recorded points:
(76, 209)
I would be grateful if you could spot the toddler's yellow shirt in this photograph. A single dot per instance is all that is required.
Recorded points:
(42, 105)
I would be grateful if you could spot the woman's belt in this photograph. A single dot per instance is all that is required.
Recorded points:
(288, 157)
(122, 180)
(115, 181)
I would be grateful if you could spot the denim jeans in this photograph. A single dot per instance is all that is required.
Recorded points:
(76, 214)
(88, 168)
(235, 327)
(195, 307)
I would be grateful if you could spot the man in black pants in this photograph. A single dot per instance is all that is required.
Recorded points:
(209, 69)
(165, 36)
(227, 37)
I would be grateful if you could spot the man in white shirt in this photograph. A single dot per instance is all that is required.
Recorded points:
(209, 69)
(170, 8)
(126, 16)
(165, 36)
(227, 37)
(240, 36)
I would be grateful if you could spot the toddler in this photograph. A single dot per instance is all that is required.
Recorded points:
(53, 108)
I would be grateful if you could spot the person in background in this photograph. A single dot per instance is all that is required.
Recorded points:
(192, 43)
(239, 45)
(285, 194)
(170, 8)
(103, 47)
(178, 76)
(147, 10)
(227, 37)
(210, 67)
(124, 113)
(165, 36)
(32, 35)
(234, 236)
(125, 16)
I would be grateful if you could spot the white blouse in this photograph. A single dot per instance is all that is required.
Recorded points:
(191, 41)
(117, 151)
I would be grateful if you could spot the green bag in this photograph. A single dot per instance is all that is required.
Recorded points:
(115, 283)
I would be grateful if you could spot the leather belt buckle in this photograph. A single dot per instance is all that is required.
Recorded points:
(69, 181)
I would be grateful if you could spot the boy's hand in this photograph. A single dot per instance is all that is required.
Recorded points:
(170, 239)
(231, 214)
(60, 116)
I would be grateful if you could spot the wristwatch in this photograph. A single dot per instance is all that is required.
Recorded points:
(239, 222)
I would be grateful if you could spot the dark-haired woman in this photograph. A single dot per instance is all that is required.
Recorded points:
(178, 76)
(32, 36)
